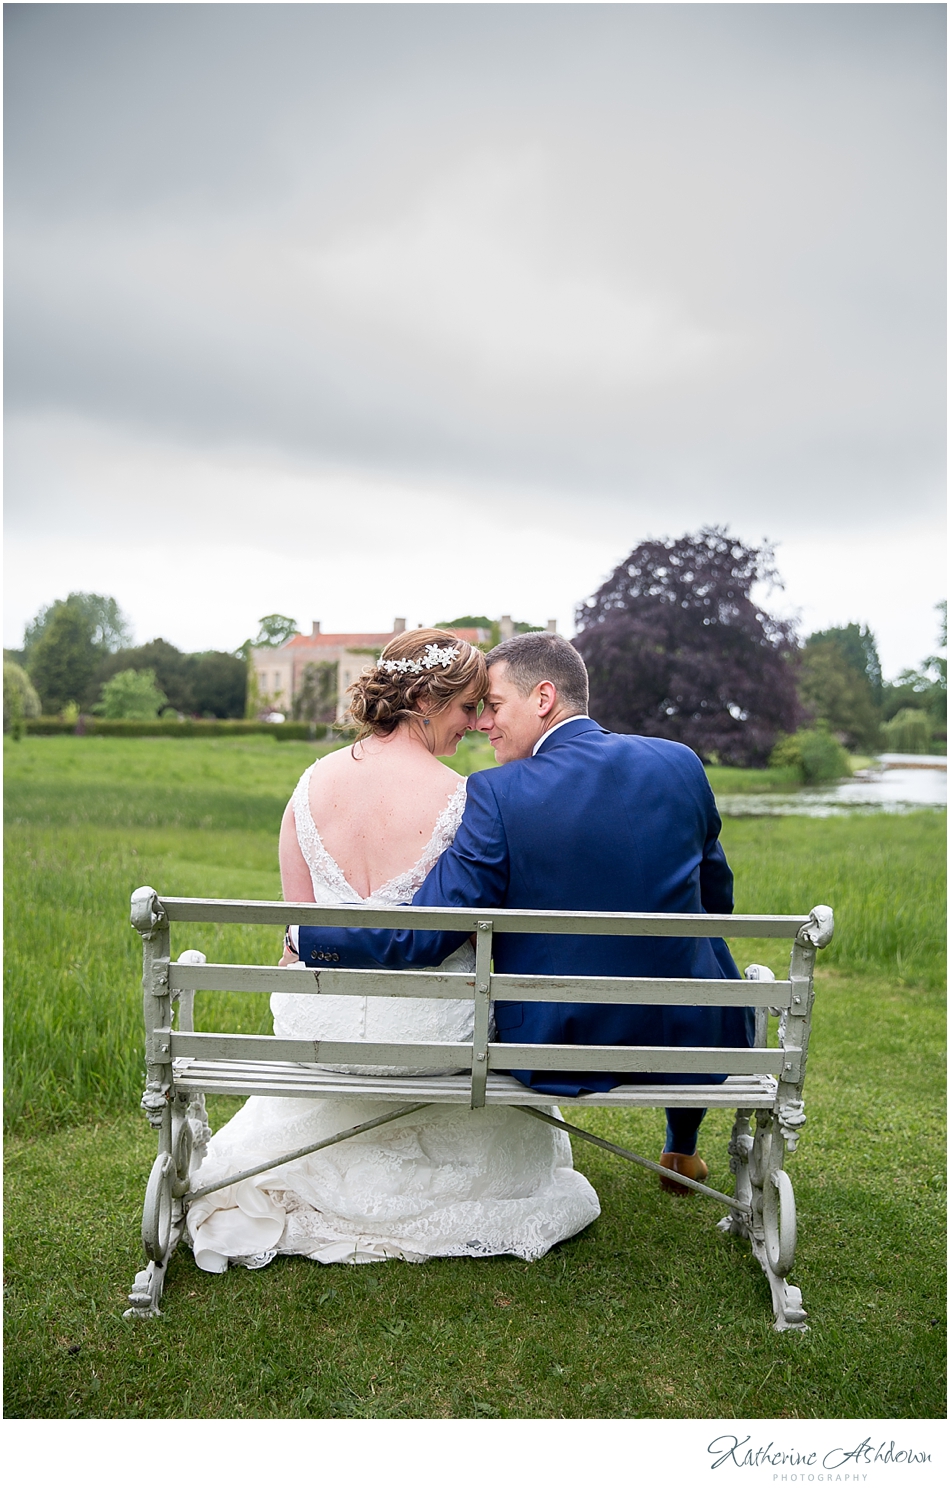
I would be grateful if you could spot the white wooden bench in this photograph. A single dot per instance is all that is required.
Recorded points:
(763, 1083)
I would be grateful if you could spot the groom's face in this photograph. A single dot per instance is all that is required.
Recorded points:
(513, 723)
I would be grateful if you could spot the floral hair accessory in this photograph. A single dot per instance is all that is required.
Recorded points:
(432, 657)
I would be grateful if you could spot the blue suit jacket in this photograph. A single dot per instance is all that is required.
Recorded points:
(594, 821)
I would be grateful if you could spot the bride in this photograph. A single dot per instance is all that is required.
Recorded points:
(367, 823)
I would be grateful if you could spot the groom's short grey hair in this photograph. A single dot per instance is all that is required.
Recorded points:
(539, 656)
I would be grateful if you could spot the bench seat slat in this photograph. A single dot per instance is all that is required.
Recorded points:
(288, 1079)
(732, 1060)
(553, 922)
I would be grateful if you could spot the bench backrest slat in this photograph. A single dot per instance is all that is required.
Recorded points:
(240, 978)
(550, 922)
(432, 1055)
(635, 1058)
(165, 981)
(538, 988)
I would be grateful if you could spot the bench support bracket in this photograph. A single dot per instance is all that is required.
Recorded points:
(308, 1149)
(615, 1149)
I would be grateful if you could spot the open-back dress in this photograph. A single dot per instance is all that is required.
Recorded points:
(447, 1182)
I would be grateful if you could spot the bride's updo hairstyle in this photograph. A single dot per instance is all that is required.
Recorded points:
(429, 666)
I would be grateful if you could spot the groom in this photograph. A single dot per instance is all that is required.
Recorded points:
(577, 818)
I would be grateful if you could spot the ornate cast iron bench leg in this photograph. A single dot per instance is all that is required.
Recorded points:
(740, 1149)
(184, 1126)
(181, 1120)
(758, 1160)
(774, 1231)
(162, 1222)
(774, 1228)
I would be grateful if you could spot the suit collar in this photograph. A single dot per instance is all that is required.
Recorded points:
(566, 731)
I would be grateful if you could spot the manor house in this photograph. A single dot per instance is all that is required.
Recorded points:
(281, 676)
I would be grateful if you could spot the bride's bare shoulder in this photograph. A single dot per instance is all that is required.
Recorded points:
(355, 760)
(335, 759)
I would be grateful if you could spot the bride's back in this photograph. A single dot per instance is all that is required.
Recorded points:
(375, 806)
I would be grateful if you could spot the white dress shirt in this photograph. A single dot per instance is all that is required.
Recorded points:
(577, 718)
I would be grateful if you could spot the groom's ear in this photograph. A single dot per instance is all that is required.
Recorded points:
(546, 693)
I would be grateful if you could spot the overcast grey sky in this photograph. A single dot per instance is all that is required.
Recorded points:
(350, 311)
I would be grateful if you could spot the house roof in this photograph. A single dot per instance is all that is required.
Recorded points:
(363, 642)
(357, 641)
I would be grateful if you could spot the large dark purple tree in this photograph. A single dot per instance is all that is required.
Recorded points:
(677, 649)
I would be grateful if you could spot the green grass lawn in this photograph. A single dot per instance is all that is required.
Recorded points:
(642, 1315)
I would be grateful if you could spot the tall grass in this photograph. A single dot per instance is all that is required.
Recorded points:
(88, 820)
(883, 875)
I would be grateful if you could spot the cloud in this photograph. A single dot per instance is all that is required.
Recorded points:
(197, 545)
(588, 272)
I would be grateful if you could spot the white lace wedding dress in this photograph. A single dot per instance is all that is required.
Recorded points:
(447, 1182)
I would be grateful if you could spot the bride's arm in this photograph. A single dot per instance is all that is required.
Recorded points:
(294, 875)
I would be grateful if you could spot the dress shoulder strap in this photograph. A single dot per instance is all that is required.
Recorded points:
(323, 868)
(400, 890)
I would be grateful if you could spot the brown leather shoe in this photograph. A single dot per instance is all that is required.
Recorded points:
(685, 1165)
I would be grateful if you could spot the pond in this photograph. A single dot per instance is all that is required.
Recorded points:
(893, 787)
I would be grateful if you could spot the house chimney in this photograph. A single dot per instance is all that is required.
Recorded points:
(552, 626)
(507, 628)
(316, 627)
(399, 626)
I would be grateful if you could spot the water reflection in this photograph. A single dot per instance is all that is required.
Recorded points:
(898, 789)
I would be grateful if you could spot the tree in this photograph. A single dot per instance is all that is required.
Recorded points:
(20, 699)
(493, 626)
(939, 662)
(217, 684)
(923, 690)
(273, 631)
(211, 682)
(316, 701)
(108, 626)
(833, 690)
(909, 732)
(131, 694)
(677, 649)
(468, 621)
(859, 648)
(936, 668)
(65, 658)
(814, 753)
(169, 665)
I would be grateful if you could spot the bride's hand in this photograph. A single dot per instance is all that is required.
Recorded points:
(290, 954)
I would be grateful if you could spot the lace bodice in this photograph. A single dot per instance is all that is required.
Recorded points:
(326, 874)
(355, 1017)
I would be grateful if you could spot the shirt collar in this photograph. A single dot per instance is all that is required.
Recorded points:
(577, 718)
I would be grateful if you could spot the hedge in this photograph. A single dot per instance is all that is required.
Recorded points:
(173, 728)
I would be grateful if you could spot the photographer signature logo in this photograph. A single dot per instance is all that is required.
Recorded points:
(838, 1463)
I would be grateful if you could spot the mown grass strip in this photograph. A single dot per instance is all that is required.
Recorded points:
(650, 1313)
